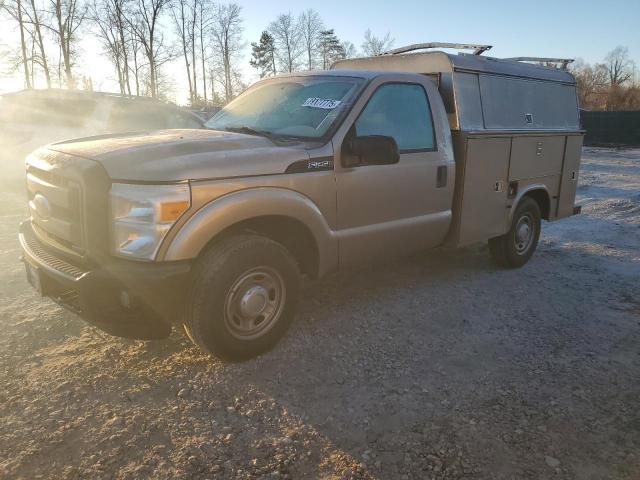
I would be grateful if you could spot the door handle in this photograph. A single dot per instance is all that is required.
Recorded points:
(441, 176)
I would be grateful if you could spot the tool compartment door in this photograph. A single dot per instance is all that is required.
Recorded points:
(485, 185)
(536, 156)
(569, 181)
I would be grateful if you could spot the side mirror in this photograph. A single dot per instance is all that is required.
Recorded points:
(373, 150)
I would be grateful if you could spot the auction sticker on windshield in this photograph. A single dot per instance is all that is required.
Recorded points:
(325, 103)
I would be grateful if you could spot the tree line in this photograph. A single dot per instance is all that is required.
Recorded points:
(140, 37)
(612, 84)
(305, 42)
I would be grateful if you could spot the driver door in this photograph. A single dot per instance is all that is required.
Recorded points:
(399, 208)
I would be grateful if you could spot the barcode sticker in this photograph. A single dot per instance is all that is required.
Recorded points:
(325, 103)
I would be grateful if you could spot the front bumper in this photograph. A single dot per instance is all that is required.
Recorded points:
(124, 298)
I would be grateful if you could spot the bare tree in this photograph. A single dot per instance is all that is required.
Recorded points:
(67, 18)
(619, 66)
(205, 19)
(597, 91)
(310, 25)
(32, 59)
(373, 45)
(135, 47)
(182, 23)
(216, 99)
(120, 8)
(146, 28)
(111, 29)
(165, 83)
(287, 37)
(192, 36)
(350, 50)
(591, 81)
(100, 15)
(23, 45)
(40, 57)
(227, 44)
(16, 10)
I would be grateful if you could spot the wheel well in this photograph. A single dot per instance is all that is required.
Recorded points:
(294, 235)
(542, 199)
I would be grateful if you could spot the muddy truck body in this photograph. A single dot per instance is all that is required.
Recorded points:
(305, 174)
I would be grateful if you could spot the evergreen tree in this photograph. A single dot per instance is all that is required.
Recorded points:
(331, 49)
(264, 55)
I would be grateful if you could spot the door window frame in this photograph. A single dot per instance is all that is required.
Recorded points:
(426, 96)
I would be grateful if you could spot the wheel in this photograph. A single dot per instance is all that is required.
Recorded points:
(514, 248)
(242, 298)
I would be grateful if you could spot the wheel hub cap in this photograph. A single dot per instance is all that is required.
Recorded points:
(523, 234)
(254, 303)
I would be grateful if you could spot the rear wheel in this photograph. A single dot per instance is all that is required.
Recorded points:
(515, 248)
(242, 298)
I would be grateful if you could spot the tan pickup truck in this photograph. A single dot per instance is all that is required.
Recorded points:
(303, 174)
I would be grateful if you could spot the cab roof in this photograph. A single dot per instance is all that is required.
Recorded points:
(355, 72)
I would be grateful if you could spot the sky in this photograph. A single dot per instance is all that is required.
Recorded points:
(586, 29)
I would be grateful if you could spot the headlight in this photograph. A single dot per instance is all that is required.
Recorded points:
(141, 216)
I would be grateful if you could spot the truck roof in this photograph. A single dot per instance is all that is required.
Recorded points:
(485, 93)
(436, 62)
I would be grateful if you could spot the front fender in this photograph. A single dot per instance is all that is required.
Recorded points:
(232, 208)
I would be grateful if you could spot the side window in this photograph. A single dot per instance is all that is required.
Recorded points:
(401, 111)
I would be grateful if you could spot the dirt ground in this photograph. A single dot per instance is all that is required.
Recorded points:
(437, 366)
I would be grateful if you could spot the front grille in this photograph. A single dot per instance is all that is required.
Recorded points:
(55, 206)
(35, 249)
(50, 177)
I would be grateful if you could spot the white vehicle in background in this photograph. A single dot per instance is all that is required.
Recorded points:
(32, 118)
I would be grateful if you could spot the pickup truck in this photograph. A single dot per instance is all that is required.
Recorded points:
(303, 174)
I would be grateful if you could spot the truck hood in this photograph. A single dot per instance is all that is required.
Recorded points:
(173, 155)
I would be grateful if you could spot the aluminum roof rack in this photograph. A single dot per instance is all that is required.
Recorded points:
(477, 49)
(563, 62)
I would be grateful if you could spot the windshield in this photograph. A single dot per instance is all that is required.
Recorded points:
(290, 106)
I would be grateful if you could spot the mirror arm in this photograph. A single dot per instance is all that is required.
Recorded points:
(350, 160)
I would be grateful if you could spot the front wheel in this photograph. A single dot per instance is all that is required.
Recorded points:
(242, 298)
(515, 248)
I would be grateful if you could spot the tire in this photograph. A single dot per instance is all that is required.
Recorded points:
(515, 248)
(242, 298)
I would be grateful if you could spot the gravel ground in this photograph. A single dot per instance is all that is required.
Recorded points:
(437, 366)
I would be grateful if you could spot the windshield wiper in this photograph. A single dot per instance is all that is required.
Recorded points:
(253, 131)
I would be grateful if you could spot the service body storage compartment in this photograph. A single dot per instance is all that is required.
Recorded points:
(515, 128)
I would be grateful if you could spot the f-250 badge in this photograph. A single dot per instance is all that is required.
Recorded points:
(315, 165)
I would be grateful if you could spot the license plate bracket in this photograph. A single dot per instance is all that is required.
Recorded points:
(33, 277)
